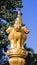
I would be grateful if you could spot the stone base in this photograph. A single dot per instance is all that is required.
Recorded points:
(17, 61)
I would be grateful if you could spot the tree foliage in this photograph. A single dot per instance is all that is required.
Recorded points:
(8, 13)
(7, 7)
(31, 58)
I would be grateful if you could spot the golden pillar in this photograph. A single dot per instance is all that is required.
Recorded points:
(17, 35)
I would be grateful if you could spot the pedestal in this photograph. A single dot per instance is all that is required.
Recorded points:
(17, 56)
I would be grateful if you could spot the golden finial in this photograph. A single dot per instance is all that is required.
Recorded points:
(18, 19)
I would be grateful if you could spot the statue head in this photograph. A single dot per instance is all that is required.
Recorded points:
(18, 23)
(9, 29)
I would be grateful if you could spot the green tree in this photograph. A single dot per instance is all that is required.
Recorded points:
(31, 58)
(8, 14)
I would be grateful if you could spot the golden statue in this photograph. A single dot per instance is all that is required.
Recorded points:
(17, 36)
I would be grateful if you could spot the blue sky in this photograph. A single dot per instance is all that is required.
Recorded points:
(29, 18)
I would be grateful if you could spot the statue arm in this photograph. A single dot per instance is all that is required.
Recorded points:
(25, 29)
